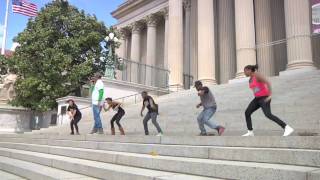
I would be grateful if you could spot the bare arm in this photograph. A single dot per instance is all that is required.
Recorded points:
(118, 104)
(142, 109)
(262, 79)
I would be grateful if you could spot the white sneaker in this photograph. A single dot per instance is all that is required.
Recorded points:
(160, 134)
(249, 133)
(288, 130)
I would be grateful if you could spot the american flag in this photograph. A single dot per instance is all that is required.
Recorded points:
(24, 7)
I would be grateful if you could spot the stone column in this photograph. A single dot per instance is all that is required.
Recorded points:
(194, 39)
(135, 52)
(151, 49)
(175, 44)
(187, 51)
(279, 33)
(227, 41)
(165, 63)
(298, 20)
(125, 32)
(263, 21)
(245, 35)
(166, 26)
(206, 49)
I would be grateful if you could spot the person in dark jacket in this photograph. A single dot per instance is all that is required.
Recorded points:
(75, 116)
(152, 107)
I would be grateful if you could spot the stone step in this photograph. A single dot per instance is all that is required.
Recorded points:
(36, 171)
(103, 170)
(301, 157)
(291, 142)
(8, 176)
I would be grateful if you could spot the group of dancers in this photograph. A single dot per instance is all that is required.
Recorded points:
(260, 86)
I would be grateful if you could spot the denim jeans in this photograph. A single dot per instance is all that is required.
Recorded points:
(153, 116)
(96, 117)
(204, 119)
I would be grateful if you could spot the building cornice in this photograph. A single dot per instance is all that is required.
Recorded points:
(127, 7)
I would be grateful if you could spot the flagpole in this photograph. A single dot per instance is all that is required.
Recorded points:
(4, 40)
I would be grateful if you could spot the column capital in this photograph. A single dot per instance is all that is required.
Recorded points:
(125, 31)
(187, 5)
(165, 13)
(153, 19)
(136, 27)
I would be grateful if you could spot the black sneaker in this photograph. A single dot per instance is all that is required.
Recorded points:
(72, 133)
(203, 134)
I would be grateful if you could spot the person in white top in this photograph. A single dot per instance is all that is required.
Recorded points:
(97, 93)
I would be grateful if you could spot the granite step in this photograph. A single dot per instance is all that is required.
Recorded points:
(35, 171)
(97, 169)
(291, 142)
(8, 176)
(109, 150)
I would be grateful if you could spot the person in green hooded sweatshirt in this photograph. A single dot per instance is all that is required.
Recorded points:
(97, 94)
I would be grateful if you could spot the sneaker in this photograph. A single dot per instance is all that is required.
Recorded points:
(72, 133)
(160, 134)
(249, 133)
(100, 131)
(203, 134)
(93, 131)
(288, 130)
(221, 130)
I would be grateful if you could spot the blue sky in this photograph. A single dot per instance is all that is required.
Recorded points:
(17, 22)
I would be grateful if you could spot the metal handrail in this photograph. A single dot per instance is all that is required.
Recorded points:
(133, 95)
(153, 67)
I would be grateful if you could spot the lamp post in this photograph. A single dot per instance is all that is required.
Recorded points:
(111, 40)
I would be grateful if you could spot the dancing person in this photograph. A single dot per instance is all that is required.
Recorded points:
(116, 106)
(261, 88)
(75, 116)
(152, 107)
(97, 93)
(209, 108)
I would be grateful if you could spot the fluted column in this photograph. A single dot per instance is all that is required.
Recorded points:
(135, 51)
(298, 20)
(265, 53)
(166, 34)
(227, 41)
(279, 33)
(245, 35)
(175, 44)
(187, 60)
(206, 49)
(151, 49)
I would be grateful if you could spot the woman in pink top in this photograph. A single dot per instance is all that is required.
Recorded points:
(261, 88)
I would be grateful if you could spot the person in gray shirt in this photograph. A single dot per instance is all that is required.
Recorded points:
(209, 105)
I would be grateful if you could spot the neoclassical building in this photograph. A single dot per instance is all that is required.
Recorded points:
(212, 40)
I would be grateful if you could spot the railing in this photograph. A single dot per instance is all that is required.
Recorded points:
(135, 98)
(144, 74)
(187, 81)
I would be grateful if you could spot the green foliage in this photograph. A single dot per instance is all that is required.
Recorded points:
(3, 65)
(59, 50)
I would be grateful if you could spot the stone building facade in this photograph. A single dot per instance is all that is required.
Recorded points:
(212, 40)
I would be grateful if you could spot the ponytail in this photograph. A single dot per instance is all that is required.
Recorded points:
(253, 68)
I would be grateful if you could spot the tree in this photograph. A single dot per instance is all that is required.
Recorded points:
(58, 51)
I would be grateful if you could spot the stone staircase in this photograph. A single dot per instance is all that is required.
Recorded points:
(180, 154)
(295, 99)
(160, 158)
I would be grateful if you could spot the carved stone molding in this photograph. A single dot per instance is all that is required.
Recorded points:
(137, 26)
(187, 5)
